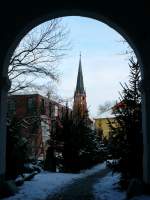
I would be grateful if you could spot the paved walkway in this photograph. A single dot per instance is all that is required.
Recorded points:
(80, 189)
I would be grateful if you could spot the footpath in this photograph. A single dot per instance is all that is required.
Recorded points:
(80, 189)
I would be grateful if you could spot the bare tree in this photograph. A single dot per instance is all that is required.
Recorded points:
(38, 54)
(105, 107)
(129, 52)
(50, 90)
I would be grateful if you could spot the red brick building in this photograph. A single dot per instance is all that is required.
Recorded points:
(35, 115)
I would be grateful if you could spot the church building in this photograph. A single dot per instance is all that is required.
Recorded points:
(80, 104)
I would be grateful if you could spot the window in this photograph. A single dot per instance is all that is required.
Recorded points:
(42, 106)
(11, 107)
(50, 109)
(31, 104)
(56, 111)
(53, 110)
(82, 98)
(62, 112)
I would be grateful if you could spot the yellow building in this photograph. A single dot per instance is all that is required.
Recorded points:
(102, 125)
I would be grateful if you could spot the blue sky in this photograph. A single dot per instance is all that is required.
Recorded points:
(103, 66)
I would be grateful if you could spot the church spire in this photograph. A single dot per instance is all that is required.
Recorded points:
(80, 84)
(80, 105)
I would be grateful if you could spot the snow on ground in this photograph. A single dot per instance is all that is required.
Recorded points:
(106, 189)
(46, 183)
(93, 170)
(42, 185)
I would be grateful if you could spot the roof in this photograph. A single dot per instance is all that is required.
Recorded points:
(107, 114)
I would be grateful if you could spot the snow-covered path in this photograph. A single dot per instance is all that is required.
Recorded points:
(106, 189)
(46, 183)
(81, 188)
(96, 183)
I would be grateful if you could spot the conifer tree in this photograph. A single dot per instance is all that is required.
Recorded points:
(17, 150)
(81, 144)
(126, 138)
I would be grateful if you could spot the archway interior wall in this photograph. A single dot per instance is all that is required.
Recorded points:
(27, 27)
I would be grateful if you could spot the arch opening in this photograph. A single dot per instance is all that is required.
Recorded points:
(66, 13)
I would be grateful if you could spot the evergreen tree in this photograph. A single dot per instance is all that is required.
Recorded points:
(50, 161)
(73, 138)
(17, 150)
(89, 145)
(81, 144)
(126, 138)
(53, 143)
(54, 157)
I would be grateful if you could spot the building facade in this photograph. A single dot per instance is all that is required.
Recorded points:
(102, 124)
(35, 116)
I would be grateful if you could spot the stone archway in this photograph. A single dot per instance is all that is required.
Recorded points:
(123, 18)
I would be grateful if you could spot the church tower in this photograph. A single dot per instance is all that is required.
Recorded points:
(80, 105)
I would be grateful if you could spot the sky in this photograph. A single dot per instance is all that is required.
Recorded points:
(103, 64)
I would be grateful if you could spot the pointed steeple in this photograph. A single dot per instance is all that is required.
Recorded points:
(80, 84)
(79, 105)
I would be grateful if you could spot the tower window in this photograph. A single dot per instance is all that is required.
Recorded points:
(82, 98)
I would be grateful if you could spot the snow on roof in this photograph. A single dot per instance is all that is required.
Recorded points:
(107, 114)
